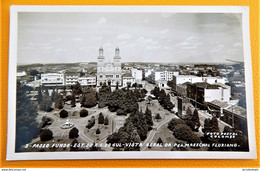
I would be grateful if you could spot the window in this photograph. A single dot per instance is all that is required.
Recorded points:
(117, 76)
(101, 76)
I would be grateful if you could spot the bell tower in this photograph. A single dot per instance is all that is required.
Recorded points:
(117, 58)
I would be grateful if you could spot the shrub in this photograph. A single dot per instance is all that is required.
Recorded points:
(184, 132)
(59, 103)
(98, 131)
(46, 135)
(106, 122)
(100, 118)
(174, 122)
(121, 112)
(83, 113)
(159, 140)
(64, 114)
(158, 116)
(91, 122)
(74, 133)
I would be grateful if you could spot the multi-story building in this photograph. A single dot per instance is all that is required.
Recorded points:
(109, 72)
(205, 92)
(52, 79)
(180, 79)
(137, 74)
(128, 79)
(71, 78)
(212, 80)
(165, 75)
(148, 71)
(87, 81)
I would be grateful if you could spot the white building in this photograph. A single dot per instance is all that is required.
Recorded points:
(87, 81)
(213, 80)
(128, 80)
(221, 93)
(107, 71)
(71, 78)
(20, 74)
(162, 84)
(52, 79)
(165, 75)
(137, 74)
(148, 72)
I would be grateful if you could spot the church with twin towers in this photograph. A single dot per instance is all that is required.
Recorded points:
(109, 71)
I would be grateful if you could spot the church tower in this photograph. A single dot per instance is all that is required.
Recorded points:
(117, 58)
(101, 58)
(100, 67)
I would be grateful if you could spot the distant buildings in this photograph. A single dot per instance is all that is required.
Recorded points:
(20, 74)
(137, 74)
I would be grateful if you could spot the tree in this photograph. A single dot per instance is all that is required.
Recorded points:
(34, 72)
(98, 131)
(46, 104)
(73, 101)
(148, 118)
(184, 132)
(168, 103)
(74, 133)
(104, 94)
(159, 141)
(88, 99)
(100, 118)
(46, 135)
(39, 97)
(76, 89)
(214, 124)
(54, 95)
(91, 122)
(196, 120)
(189, 111)
(64, 114)
(83, 113)
(171, 84)
(117, 85)
(74, 145)
(158, 116)
(120, 112)
(59, 103)
(26, 113)
(106, 121)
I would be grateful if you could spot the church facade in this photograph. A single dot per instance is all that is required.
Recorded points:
(109, 71)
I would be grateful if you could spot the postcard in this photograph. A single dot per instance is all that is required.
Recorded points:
(130, 82)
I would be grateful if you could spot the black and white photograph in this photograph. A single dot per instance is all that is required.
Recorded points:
(118, 82)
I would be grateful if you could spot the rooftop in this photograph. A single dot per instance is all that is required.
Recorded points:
(186, 76)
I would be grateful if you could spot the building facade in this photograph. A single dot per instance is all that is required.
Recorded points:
(71, 78)
(204, 92)
(87, 81)
(137, 74)
(128, 80)
(109, 72)
(165, 75)
(52, 79)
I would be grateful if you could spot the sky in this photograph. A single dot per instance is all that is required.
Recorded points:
(49, 37)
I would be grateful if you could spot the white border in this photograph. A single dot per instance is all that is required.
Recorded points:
(11, 155)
